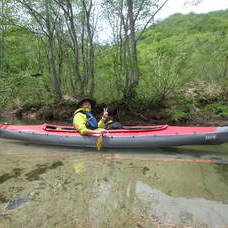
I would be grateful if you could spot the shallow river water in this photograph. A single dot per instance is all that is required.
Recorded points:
(48, 186)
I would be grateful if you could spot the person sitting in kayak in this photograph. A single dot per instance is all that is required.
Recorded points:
(85, 122)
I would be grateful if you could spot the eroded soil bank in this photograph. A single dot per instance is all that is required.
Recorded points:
(123, 112)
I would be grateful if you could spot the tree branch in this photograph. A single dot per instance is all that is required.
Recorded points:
(150, 19)
(139, 10)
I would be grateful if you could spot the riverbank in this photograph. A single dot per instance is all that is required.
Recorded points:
(127, 114)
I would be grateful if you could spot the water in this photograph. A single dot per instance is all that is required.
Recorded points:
(48, 186)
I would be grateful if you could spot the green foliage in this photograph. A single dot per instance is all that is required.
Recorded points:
(21, 89)
(181, 107)
(182, 49)
(163, 77)
(183, 62)
(216, 110)
(109, 80)
(177, 115)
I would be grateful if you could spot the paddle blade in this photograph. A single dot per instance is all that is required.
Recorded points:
(99, 142)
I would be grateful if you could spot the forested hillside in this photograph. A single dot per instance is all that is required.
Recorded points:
(183, 68)
(185, 57)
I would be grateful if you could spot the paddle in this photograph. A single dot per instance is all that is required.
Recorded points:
(99, 142)
(100, 138)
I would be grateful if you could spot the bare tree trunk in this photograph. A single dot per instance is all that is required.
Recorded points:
(90, 56)
(51, 54)
(128, 16)
(53, 72)
(225, 67)
(2, 43)
(81, 32)
(133, 74)
(46, 21)
(69, 15)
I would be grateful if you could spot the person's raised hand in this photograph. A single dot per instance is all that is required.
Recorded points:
(105, 114)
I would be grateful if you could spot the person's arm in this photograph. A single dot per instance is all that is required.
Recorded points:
(79, 122)
(101, 124)
(96, 131)
(104, 118)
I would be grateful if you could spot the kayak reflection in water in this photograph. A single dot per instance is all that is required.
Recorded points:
(85, 122)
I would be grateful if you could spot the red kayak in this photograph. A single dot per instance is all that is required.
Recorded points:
(128, 137)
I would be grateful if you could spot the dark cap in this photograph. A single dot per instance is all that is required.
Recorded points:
(92, 102)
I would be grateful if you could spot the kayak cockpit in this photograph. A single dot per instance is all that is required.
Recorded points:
(126, 129)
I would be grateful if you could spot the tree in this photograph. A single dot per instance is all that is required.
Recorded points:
(2, 38)
(129, 19)
(43, 19)
(80, 20)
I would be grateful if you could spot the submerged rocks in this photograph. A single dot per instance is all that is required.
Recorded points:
(18, 203)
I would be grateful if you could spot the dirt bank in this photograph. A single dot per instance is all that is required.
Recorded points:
(119, 111)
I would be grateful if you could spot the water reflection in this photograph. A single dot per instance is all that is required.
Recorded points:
(194, 211)
(48, 186)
